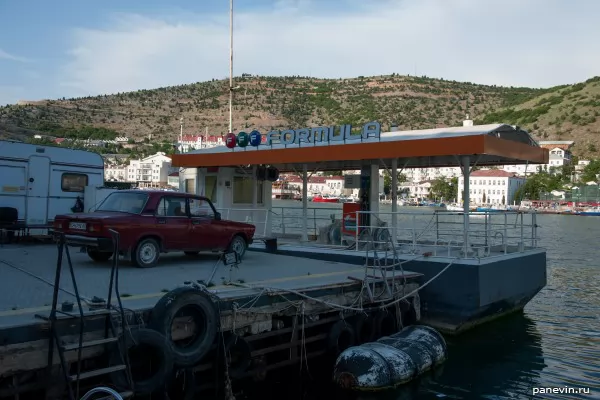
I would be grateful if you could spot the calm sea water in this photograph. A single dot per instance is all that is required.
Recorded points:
(554, 343)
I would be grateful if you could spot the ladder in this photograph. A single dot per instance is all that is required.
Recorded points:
(105, 310)
(379, 272)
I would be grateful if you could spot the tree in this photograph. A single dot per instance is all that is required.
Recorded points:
(503, 199)
(387, 181)
(332, 173)
(484, 198)
(541, 182)
(443, 188)
(590, 171)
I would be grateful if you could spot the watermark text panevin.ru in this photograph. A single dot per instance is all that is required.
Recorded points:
(560, 390)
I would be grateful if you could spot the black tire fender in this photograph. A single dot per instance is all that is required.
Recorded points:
(341, 336)
(363, 328)
(167, 308)
(156, 341)
(243, 350)
(384, 323)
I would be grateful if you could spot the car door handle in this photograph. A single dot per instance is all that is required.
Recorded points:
(196, 222)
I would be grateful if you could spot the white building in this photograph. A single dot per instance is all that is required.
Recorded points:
(560, 153)
(196, 142)
(581, 164)
(415, 190)
(115, 173)
(152, 170)
(492, 186)
(521, 169)
(417, 175)
(331, 185)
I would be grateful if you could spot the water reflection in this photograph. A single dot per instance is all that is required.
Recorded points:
(556, 342)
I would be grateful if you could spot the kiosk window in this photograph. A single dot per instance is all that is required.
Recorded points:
(242, 190)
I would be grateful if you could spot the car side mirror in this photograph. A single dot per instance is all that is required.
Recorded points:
(218, 216)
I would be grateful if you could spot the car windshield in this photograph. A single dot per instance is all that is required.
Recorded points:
(124, 202)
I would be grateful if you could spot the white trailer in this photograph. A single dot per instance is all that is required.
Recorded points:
(44, 181)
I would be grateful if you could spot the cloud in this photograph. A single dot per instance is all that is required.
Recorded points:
(8, 93)
(7, 56)
(536, 43)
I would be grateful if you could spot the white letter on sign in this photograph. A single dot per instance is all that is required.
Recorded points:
(319, 134)
(288, 136)
(273, 137)
(371, 129)
(302, 135)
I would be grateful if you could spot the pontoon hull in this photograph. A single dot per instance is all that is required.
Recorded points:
(469, 292)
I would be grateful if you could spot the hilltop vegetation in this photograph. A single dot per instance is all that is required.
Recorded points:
(264, 103)
(565, 113)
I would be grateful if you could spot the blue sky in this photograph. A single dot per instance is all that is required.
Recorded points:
(51, 49)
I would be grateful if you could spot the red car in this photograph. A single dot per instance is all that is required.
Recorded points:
(154, 222)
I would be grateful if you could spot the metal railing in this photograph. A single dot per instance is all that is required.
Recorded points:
(289, 220)
(258, 217)
(443, 234)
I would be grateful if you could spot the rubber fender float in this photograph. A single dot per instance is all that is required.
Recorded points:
(192, 302)
(384, 323)
(145, 347)
(427, 336)
(390, 361)
(341, 336)
(418, 352)
(239, 354)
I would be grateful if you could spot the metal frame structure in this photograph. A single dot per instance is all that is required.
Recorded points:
(111, 334)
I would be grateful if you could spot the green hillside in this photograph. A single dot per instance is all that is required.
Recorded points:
(565, 112)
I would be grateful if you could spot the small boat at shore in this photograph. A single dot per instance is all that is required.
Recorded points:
(325, 199)
(454, 207)
(590, 212)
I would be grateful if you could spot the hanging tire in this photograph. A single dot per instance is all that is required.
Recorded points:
(239, 354)
(146, 348)
(146, 253)
(384, 324)
(363, 328)
(341, 336)
(98, 256)
(239, 245)
(187, 301)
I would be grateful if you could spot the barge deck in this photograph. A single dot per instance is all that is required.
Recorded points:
(267, 299)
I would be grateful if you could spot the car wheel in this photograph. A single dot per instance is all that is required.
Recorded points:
(238, 244)
(99, 256)
(146, 253)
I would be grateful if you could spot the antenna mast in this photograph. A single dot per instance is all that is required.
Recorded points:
(230, 66)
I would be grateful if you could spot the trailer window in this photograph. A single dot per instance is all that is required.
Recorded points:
(71, 182)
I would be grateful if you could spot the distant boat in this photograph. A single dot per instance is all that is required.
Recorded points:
(325, 199)
(490, 209)
(454, 207)
(590, 212)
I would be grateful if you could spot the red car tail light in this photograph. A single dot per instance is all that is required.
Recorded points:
(94, 227)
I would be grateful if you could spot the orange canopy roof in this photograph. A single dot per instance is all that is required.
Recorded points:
(497, 144)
